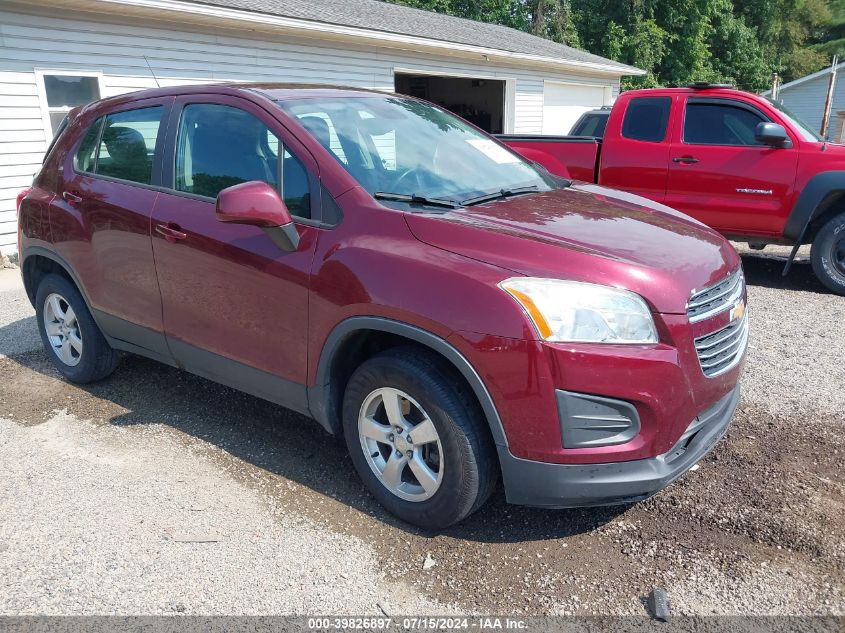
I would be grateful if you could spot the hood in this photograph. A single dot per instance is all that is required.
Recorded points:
(588, 233)
(833, 151)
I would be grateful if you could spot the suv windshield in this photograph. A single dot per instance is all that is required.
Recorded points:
(404, 147)
(804, 129)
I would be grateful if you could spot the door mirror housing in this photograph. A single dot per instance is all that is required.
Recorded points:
(772, 134)
(258, 204)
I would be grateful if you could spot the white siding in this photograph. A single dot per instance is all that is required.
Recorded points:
(807, 101)
(41, 42)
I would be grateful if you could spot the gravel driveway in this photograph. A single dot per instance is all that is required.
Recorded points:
(159, 492)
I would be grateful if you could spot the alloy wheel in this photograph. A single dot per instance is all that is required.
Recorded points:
(62, 329)
(401, 444)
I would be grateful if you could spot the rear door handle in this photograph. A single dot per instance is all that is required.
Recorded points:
(685, 159)
(71, 197)
(170, 232)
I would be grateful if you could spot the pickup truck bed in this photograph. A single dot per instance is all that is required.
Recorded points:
(573, 157)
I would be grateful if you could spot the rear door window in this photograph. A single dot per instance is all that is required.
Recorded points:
(122, 145)
(127, 144)
(646, 119)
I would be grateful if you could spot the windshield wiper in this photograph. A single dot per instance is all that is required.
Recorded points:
(416, 199)
(502, 193)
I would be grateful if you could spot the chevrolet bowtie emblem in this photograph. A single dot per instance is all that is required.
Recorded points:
(738, 311)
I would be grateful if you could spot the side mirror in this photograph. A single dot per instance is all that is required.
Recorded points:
(772, 134)
(258, 204)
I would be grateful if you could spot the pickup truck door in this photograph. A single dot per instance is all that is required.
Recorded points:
(235, 305)
(635, 148)
(722, 176)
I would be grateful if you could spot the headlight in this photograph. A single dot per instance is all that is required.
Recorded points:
(573, 311)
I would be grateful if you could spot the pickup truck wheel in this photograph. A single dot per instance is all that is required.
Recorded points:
(828, 254)
(416, 438)
(69, 334)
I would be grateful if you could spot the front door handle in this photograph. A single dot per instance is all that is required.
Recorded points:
(687, 160)
(171, 232)
(71, 197)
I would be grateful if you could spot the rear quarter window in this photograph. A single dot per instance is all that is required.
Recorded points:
(87, 151)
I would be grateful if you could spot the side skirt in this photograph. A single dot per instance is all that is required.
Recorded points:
(231, 373)
(129, 337)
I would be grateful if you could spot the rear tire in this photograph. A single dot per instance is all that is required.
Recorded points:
(70, 336)
(454, 454)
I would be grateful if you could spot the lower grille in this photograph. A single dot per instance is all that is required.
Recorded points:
(722, 350)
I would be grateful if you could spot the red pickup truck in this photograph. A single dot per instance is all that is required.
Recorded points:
(741, 163)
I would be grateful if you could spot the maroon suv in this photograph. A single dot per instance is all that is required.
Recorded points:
(379, 265)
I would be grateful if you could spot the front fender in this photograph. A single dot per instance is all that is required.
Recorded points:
(815, 199)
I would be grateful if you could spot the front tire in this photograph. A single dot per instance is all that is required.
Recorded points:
(72, 339)
(417, 438)
(828, 254)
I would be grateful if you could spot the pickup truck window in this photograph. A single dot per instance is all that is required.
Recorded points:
(720, 124)
(591, 125)
(646, 119)
(403, 146)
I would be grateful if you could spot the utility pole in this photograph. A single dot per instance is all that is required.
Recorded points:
(828, 104)
(775, 86)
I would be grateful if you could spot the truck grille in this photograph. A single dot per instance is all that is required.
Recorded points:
(717, 298)
(723, 349)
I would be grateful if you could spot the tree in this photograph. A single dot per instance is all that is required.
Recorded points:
(785, 28)
(832, 40)
(679, 41)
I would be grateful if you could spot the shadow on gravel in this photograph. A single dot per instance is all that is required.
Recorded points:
(767, 271)
(262, 435)
(19, 337)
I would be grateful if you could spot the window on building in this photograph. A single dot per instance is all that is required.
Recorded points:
(718, 124)
(646, 119)
(62, 92)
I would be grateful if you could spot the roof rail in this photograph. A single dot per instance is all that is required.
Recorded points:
(706, 85)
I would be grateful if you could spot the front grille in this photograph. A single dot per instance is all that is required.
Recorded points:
(717, 298)
(722, 350)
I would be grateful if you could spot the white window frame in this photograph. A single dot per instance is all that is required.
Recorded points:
(42, 92)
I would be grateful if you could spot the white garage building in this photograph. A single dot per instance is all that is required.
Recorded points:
(56, 54)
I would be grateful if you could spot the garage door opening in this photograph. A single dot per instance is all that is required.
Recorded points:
(479, 101)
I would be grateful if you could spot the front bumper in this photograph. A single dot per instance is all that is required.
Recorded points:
(572, 485)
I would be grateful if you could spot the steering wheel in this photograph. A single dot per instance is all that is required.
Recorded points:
(411, 172)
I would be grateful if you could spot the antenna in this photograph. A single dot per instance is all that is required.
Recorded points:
(158, 85)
